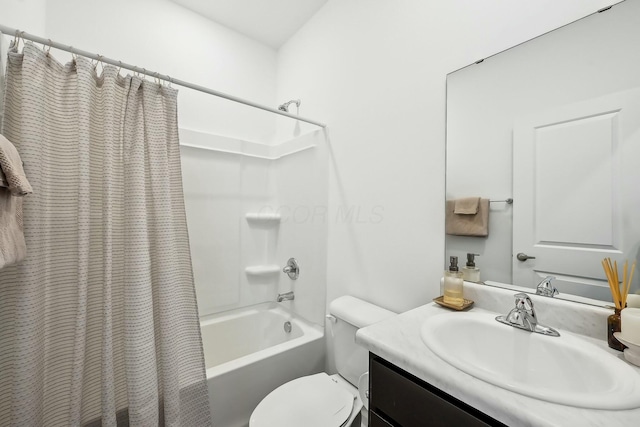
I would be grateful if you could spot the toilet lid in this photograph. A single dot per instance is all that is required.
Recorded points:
(313, 401)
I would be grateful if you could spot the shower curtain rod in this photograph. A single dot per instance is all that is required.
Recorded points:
(48, 42)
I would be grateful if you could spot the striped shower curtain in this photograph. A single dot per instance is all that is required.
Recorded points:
(99, 325)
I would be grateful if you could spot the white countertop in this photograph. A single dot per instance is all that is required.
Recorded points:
(398, 340)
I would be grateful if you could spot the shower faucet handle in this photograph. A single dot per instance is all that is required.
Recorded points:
(292, 269)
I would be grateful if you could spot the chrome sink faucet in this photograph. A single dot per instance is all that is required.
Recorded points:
(288, 296)
(523, 316)
(546, 288)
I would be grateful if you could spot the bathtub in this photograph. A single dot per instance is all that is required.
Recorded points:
(248, 354)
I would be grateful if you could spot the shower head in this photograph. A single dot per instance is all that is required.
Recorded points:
(285, 107)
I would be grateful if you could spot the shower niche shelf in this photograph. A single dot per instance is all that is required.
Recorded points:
(263, 218)
(262, 270)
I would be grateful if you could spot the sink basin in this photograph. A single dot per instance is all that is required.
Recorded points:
(565, 370)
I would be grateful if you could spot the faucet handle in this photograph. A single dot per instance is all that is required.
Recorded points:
(523, 302)
(292, 269)
(546, 288)
(523, 316)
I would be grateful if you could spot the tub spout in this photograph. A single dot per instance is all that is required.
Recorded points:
(285, 297)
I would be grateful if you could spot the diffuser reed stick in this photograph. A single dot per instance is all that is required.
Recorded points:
(611, 270)
(628, 287)
(619, 298)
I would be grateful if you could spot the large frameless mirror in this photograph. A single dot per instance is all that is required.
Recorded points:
(554, 125)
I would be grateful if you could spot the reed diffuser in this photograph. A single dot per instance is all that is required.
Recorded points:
(619, 297)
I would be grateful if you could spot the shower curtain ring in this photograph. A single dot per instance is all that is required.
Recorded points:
(16, 39)
(14, 42)
(49, 47)
(119, 66)
(99, 62)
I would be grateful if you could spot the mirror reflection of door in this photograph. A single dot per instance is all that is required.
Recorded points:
(576, 175)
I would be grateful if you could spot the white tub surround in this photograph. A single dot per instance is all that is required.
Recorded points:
(248, 354)
(398, 341)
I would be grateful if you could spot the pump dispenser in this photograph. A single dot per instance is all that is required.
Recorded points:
(470, 272)
(453, 283)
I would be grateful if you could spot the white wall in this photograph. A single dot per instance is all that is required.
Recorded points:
(165, 37)
(24, 15)
(375, 71)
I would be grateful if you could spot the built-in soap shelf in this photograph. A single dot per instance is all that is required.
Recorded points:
(264, 217)
(266, 224)
(262, 270)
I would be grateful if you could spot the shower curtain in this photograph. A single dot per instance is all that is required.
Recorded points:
(99, 325)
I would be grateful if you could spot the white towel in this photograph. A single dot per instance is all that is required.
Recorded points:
(11, 166)
(13, 247)
(12, 244)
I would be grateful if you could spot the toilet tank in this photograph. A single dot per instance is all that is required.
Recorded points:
(351, 314)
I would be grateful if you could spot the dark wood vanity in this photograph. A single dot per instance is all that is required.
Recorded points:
(399, 399)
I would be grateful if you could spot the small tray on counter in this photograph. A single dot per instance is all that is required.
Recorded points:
(440, 300)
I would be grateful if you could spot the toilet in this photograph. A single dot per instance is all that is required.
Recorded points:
(323, 400)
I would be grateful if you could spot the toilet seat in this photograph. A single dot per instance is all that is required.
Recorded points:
(317, 400)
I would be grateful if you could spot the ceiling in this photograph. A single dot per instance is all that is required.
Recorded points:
(271, 22)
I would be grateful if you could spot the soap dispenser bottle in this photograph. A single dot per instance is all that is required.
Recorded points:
(453, 284)
(470, 272)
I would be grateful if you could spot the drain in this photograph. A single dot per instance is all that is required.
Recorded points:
(287, 327)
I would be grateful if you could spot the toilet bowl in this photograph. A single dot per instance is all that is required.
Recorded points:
(318, 400)
(323, 400)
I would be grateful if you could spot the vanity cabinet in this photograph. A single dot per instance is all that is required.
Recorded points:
(399, 399)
